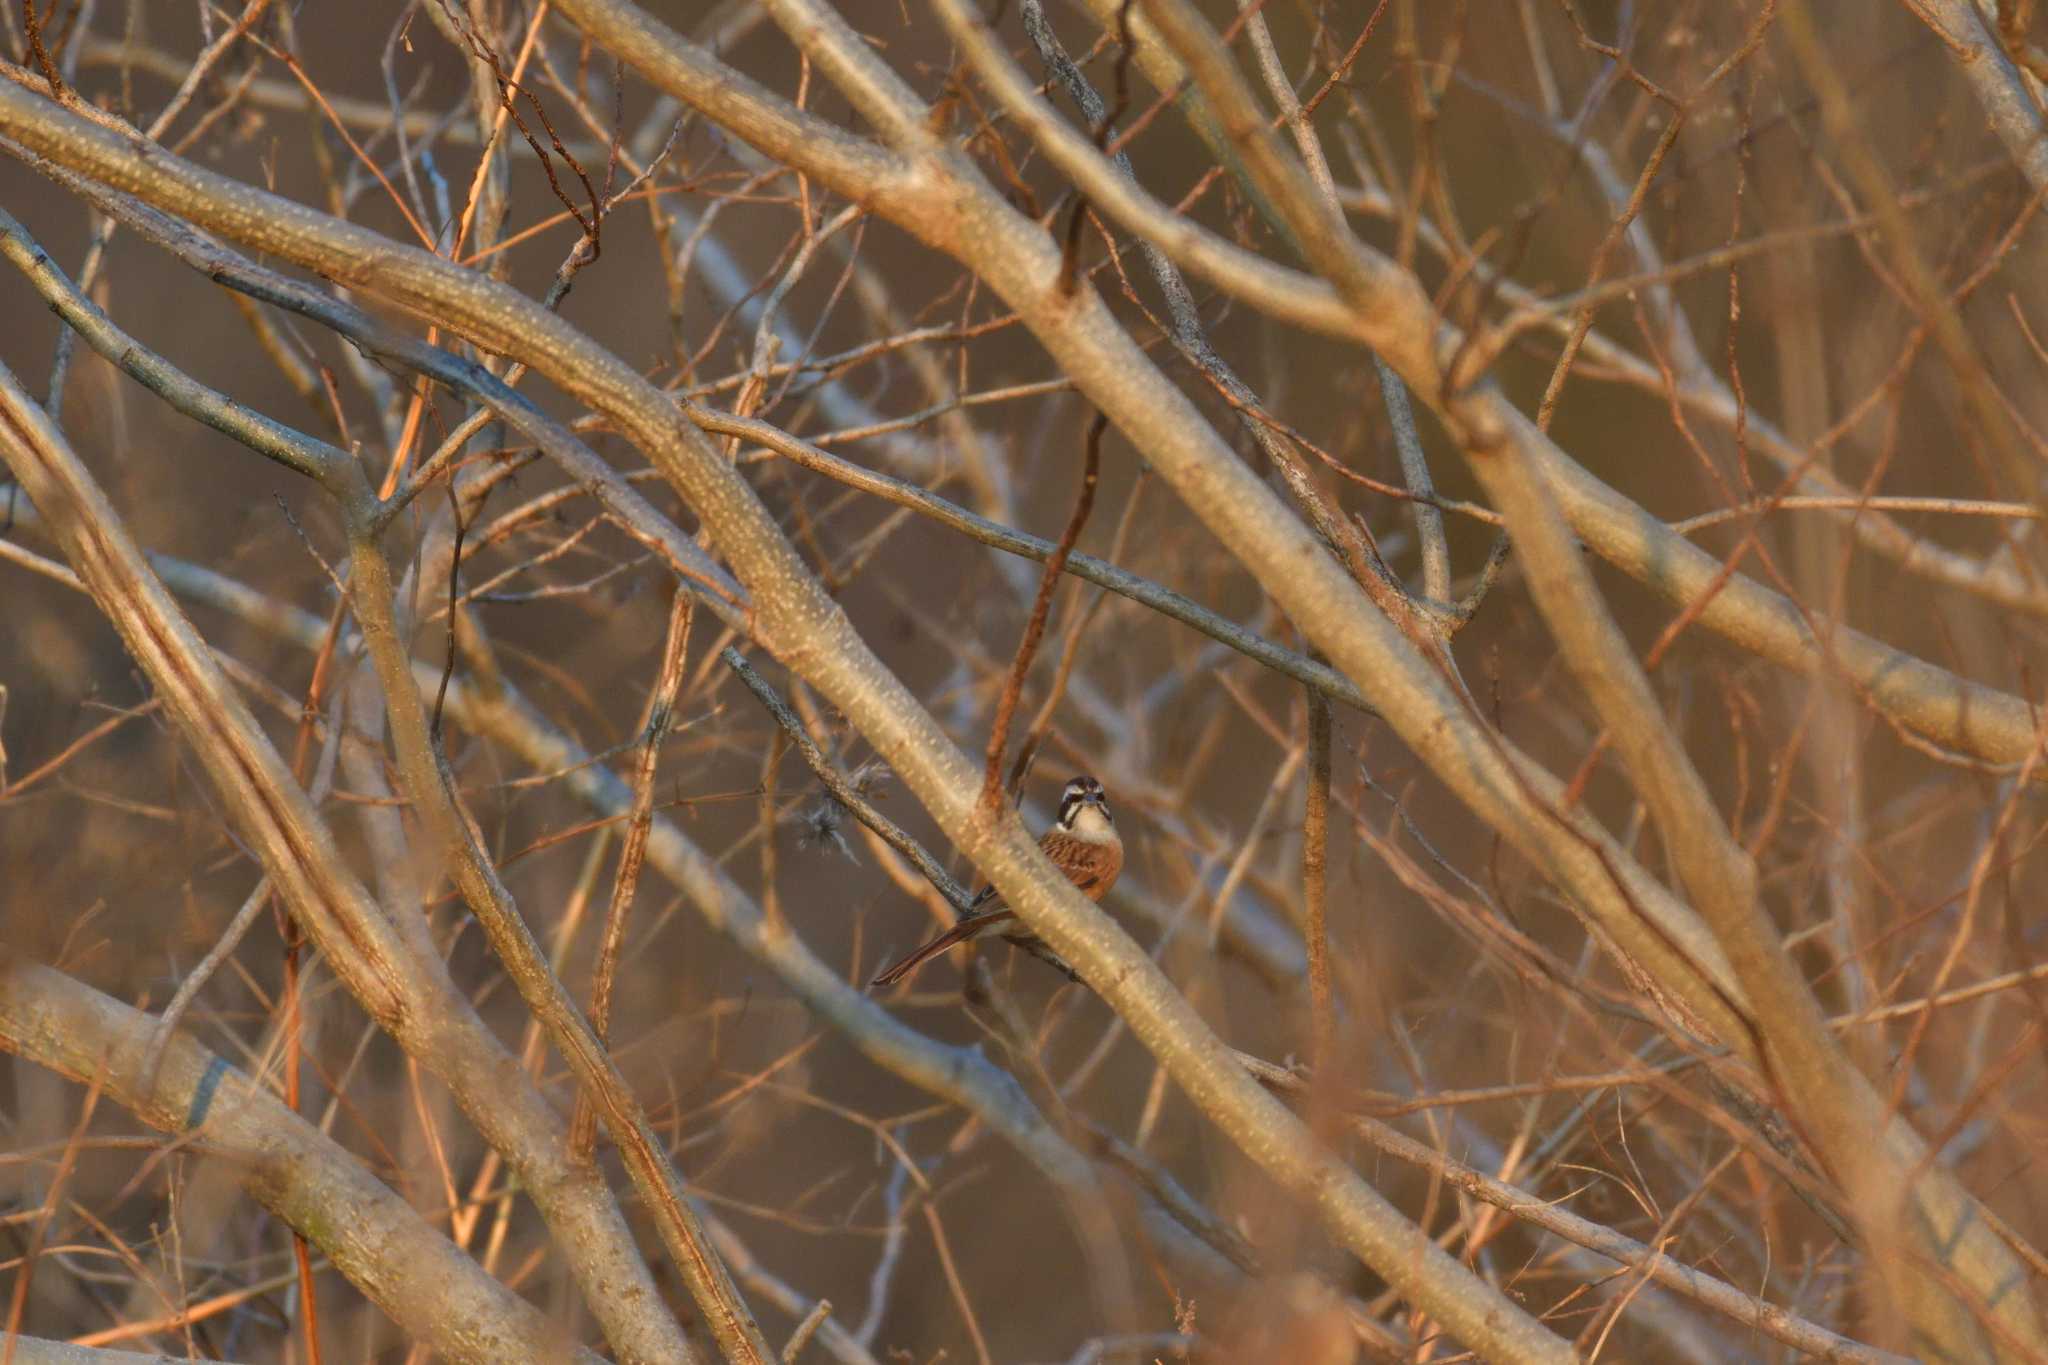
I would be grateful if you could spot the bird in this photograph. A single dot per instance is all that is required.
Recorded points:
(1083, 843)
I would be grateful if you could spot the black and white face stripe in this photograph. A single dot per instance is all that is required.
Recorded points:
(1082, 792)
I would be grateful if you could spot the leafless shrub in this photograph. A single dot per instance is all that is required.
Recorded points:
(545, 505)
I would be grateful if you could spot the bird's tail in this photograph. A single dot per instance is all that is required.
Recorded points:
(967, 928)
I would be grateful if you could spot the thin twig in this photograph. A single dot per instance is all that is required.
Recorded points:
(661, 706)
(843, 790)
(1034, 630)
(1121, 581)
(454, 596)
(188, 990)
(805, 1330)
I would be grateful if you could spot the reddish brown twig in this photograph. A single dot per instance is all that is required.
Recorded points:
(660, 716)
(1034, 630)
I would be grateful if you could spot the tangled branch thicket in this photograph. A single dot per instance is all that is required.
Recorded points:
(537, 539)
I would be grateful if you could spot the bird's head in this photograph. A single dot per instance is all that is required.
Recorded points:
(1084, 811)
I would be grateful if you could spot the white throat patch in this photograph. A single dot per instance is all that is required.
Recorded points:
(1092, 825)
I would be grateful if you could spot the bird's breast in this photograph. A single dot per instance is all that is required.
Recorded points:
(1090, 864)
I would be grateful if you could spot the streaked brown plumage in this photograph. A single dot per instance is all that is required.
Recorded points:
(1083, 843)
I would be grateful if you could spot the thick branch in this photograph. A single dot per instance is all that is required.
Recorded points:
(414, 1273)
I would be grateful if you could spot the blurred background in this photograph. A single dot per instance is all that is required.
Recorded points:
(1515, 154)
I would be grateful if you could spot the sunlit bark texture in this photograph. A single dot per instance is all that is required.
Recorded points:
(544, 545)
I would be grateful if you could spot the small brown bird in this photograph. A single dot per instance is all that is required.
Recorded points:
(1082, 843)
